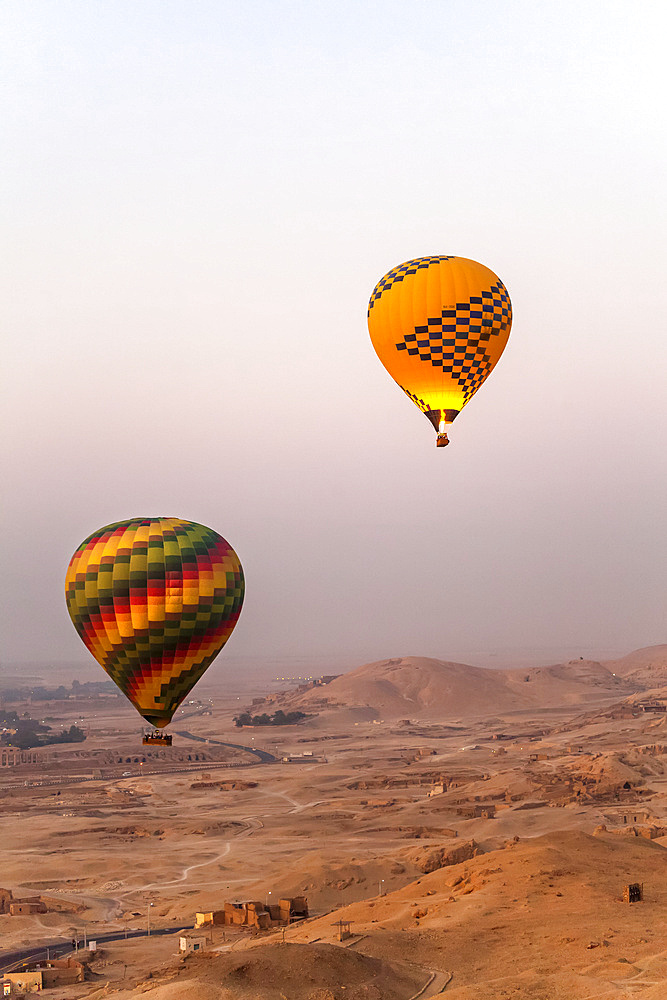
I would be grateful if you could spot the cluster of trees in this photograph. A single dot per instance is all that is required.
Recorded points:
(278, 718)
(30, 733)
(40, 693)
(71, 735)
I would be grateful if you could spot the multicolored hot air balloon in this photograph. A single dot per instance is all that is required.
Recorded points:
(439, 326)
(155, 599)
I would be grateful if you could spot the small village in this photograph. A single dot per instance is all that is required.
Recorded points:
(210, 929)
(215, 845)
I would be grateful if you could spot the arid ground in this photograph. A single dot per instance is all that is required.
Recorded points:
(476, 827)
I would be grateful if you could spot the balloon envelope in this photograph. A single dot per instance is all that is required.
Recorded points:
(155, 600)
(439, 326)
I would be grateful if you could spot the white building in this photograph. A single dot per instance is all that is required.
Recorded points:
(190, 943)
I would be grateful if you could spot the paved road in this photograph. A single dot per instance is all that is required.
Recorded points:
(11, 959)
(264, 755)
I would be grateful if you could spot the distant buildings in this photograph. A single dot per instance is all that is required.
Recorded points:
(251, 913)
(191, 943)
(34, 904)
(300, 758)
(38, 976)
(485, 810)
(12, 757)
(25, 907)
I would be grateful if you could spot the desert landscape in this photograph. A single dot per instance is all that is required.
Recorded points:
(332, 659)
(453, 829)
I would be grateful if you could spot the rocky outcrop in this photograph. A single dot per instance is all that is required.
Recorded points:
(430, 859)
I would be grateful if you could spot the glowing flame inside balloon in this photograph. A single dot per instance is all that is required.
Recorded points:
(439, 326)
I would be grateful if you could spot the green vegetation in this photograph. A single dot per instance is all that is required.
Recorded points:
(89, 689)
(27, 733)
(278, 718)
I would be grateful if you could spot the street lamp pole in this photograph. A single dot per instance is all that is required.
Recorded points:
(149, 919)
(380, 890)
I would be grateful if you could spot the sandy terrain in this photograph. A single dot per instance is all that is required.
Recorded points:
(548, 795)
(417, 686)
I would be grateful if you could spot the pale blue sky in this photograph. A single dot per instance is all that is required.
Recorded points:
(198, 200)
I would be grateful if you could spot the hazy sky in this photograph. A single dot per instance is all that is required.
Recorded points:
(199, 198)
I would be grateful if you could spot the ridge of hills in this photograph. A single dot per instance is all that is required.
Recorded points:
(509, 912)
(646, 666)
(499, 924)
(412, 686)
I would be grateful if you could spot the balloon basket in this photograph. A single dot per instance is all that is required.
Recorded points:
(442, 440)
(157, 739)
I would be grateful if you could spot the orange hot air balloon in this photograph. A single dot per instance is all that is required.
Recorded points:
(439, 326)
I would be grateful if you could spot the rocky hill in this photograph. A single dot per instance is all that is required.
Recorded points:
(497, 924)
(276, 971)
(501, 922)
(646, 667)
(422, 687)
